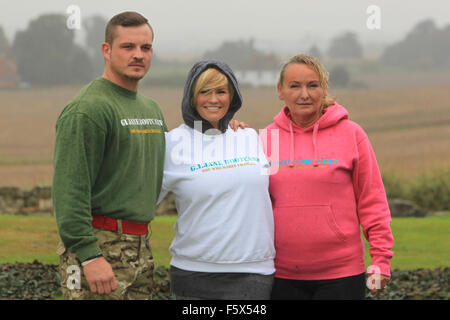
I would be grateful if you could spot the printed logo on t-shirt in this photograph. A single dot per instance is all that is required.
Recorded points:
(302, 163)
(214, 151)
(225, 164)
(143, 122)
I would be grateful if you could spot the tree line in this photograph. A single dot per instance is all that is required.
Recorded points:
(45, 53)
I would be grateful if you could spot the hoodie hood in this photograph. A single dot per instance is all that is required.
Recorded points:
(331, 116)
(189, 111)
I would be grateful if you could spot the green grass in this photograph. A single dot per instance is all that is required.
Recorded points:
(161, 238)
(419, 242)
(26, 238)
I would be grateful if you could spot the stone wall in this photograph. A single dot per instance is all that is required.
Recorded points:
(38, 201)
(25, 201)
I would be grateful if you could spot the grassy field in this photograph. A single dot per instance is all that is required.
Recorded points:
(419, 242)
(25, 238)
(409, 128)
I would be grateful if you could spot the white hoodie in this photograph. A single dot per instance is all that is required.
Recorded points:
(225, 219)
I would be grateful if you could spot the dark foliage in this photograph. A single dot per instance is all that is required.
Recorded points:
(345, 46)
(420, 284)
(243, 55)
(37, 281)
(46, 53)
(339, 76)
(29, 281)
(425, 47)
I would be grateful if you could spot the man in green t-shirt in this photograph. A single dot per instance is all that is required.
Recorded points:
(108, 166)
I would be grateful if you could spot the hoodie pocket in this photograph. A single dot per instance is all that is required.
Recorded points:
(307, 228)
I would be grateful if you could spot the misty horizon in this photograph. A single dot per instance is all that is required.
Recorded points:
(190, 29)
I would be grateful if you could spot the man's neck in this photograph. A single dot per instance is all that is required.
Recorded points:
(129, 85)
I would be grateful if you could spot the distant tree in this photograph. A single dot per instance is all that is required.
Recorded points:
(339, 76)
(235, 53)
(95, 35)
(243, 55)
(424, 47)
(4, 44)
(79, 62)
(315, 52)
(441, 47)
(415, 50)
(45, 53)
(345, 46)
(8, 70)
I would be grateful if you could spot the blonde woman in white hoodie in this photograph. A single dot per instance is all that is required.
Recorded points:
(223, 247)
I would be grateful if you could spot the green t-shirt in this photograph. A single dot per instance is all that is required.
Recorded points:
(108, 160)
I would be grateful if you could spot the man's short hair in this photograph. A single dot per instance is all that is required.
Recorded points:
(124, 19)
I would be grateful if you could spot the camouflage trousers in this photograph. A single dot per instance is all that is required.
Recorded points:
(131, 259)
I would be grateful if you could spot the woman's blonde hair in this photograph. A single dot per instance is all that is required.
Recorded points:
(208, 80)
(317, 66)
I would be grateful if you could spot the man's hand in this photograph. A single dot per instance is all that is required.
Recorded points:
(100, 276)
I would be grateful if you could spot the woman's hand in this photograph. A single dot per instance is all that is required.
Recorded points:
(377, 282)
(236, 124)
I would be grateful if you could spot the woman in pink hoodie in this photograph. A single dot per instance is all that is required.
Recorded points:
(325, 184)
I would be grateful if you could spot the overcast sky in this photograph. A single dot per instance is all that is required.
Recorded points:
(189, 27)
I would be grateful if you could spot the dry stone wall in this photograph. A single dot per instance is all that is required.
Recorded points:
(25, 201)
(38, 201)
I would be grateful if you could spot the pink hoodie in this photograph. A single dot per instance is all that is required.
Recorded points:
(327, 184)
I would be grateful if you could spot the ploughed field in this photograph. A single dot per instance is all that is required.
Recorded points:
(409, 128)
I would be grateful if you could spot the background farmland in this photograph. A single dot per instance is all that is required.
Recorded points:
(394, 81)
(409, 128)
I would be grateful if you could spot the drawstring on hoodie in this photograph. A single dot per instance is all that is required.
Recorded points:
(315, 131)
(292, 148)
(331, 117)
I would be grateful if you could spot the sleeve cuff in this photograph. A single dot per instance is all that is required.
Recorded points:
(87, 253)
(380, 265)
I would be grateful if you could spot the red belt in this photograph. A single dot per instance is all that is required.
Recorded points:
(128, 227)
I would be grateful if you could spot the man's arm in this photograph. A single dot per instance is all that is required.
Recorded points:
(79, 149)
